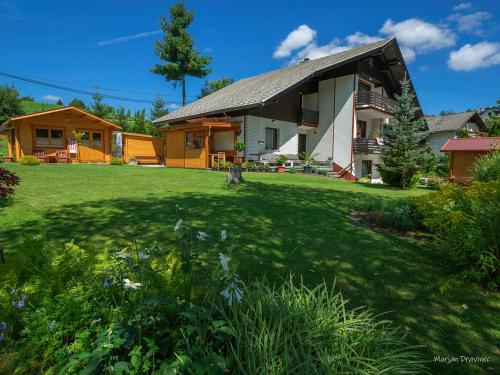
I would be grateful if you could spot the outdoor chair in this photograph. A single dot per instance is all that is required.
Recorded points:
(63, 156)
(40, 155)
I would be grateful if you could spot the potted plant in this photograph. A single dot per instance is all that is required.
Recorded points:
(280, 162)
(240, 147)
(309, 160)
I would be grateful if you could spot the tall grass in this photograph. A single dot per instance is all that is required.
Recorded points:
(296, 330)
(487, 167)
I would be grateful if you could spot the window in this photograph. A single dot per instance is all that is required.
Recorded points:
(271, 139)
(96, 140)
(195, 139)
(363, 87)
(361, 129)
(49, 137)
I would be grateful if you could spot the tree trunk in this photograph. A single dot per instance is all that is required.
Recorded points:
(183, 91)
(2, 257)
(235, 175)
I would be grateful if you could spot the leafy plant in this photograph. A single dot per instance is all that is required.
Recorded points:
(29, 160)
(281, 160)
(309, 159)
(8, 180)
(239, 145)
(463, 133)
(487, 167)
(364, 180)
(116, 161)
(292, 170)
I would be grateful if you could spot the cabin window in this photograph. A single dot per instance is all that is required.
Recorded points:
(195, 139)
(271, 139)
(49, 137)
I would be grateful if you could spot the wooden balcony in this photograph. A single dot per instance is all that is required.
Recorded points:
(366, 146)
(308, 118)
(373, 100)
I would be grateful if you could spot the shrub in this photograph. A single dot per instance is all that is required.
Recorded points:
(466, 221)
(8, 180)
(116, 161)
(281, 160)
(296, 330)
(364, 180)
(292, 170)
(435, 182)
(400, 214)
(487, 167)
(29, 160)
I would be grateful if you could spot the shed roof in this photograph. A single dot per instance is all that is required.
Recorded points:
(62, 109)
(472, 144)
(257, 90)
(454, 121)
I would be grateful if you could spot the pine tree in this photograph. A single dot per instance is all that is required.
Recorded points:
(97, 107)
(59, 102)
(177, 50)
(77, 103)
(214, 85)
(404, 141)
(158, 110)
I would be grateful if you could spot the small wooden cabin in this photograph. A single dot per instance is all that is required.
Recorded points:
(53, 130)
(463, 154)
(146, 149)
(191, 144)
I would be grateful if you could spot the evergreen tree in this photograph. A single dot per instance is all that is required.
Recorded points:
(177, 50)
(97, 107)
(121, 118)
(212, 86)
(59, 102)
(77, 103)
(141, 123)
(404, 141)
(10, 105)
(158, 110)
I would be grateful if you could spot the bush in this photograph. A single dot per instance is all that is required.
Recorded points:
(29, 160)
(466, 221)
(400, 214)
(296, 330)
(364, 180)
(292, 170)
(116, 161)
(8, 180)
(487, 167)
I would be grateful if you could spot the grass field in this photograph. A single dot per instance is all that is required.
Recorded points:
(30, 107)
(282, 224)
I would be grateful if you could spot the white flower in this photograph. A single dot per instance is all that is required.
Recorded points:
(128, 284)
(232, 291)
(224, 261)
(223, 235)
(202, 236)
(178, 225)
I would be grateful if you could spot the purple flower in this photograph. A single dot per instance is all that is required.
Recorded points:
(20, 304)
(3, 326)
(106, 283)
(51, 325)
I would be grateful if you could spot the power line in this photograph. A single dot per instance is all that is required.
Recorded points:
(74, 90)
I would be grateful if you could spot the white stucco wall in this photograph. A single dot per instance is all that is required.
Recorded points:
(343, 129)
(437, 140)
(287, 136)
(320, 140)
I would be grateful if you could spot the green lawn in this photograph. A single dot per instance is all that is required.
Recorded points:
(30, 107)
(282, 224)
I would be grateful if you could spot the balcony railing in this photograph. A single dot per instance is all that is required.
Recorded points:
(372, 99)
(367, 146)
(308, 117)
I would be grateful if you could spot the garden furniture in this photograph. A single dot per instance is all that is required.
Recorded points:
(63, 156)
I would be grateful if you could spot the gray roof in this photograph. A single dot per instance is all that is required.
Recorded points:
(253, 91)
(453, 122)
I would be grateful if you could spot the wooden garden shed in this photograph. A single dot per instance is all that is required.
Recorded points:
(191, 144)
(463, 154)
(51, 131)
(146, 149)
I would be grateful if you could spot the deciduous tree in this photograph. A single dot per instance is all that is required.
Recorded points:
(9, 103)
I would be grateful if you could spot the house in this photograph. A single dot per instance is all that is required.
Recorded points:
(52, 130)
(335, 107)
(442, 128)
(464, 152)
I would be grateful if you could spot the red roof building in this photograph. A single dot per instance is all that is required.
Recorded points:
(464, 152)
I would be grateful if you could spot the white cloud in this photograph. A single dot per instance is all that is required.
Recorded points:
(51, 97)
(408, 54)
(475, 56)
(419, 35)
(358, 39)
(462, 6)
(126, 38)
(298, 38)
(471, 23)
(172, 106)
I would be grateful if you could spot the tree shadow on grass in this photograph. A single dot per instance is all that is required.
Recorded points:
(305, 231)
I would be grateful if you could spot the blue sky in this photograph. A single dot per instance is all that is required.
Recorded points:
(452, 47)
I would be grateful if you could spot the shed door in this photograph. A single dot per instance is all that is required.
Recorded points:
(92, 146)
(174, 149)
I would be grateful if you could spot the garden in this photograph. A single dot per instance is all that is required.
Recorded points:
(121, 269)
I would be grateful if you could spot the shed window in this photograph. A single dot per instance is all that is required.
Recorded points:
(42, 137)
(271, 139)
(195, 139)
